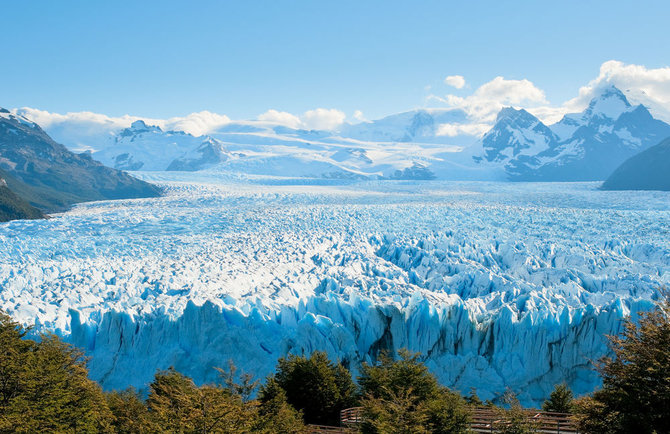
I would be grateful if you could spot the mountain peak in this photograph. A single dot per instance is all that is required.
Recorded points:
(609, 102)
(511, 112)
(140, 125)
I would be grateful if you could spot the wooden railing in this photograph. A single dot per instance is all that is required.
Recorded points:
(488, 420)
(351, 417)
(319, 429)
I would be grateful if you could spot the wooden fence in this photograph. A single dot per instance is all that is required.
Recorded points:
(484, 420)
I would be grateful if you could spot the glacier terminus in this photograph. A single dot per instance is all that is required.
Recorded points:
(493, 283)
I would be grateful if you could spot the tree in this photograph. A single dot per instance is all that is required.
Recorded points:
(402, 396)
(314, 385)
(245, 388)
(561, 400)
(130, 414)
(514, 419)
(44, 385)
(395, 413)
(275, 414)
(178, 405)
(473, 399)
(635, 396)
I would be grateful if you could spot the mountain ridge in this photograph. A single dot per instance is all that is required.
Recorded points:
(648, 170)
(584, 146)
(50, 177)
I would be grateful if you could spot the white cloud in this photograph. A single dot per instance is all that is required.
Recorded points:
(456, 81)
(281, 118)
(317, 119)
(198, 124)
(358, 115)
(323, 119)
(650, 87)
(487, 100)
(453, 130)
(195, 123)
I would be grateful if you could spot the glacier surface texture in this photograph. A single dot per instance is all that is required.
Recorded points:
(496, 285)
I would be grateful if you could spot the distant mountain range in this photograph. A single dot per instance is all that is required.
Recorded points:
(418, 144)
(36, 170)
(585, 146)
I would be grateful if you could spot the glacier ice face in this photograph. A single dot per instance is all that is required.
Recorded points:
(495, 284)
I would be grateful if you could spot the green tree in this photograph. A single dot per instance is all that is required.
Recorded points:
(44, 386)
(635, 396)
(275, 414)
(473, 399)
(514, 419)
(402, 396)
(560, 400)
(317, 387)
(397, 412)
(130, 413)
(178, 405)
(243, 388)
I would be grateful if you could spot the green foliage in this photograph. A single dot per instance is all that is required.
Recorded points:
(594, 415)
(401, 396)
(636, 383)
(275, 414)
(13, 207)
(245, 388)
(561, 400)
(514, 419)
(473, 399)
(130, 414)
(389, 377)
(44, 386)
(178, 405)
(314, 385)
(396, 412)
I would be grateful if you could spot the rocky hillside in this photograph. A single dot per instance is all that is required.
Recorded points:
(12, 207)
(52, 178)
(648, 170)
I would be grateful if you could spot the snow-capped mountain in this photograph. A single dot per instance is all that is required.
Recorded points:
(516, 134)
(145, 147)
(420, 126)
(418, 144)
(585, 146)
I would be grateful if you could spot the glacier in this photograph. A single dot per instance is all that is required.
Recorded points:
(497, 285)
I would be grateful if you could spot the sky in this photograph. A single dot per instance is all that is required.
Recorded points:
(353, 60)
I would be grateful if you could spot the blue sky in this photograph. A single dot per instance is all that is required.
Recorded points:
(170, 58)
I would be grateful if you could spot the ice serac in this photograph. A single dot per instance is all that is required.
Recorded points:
(528, 353)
